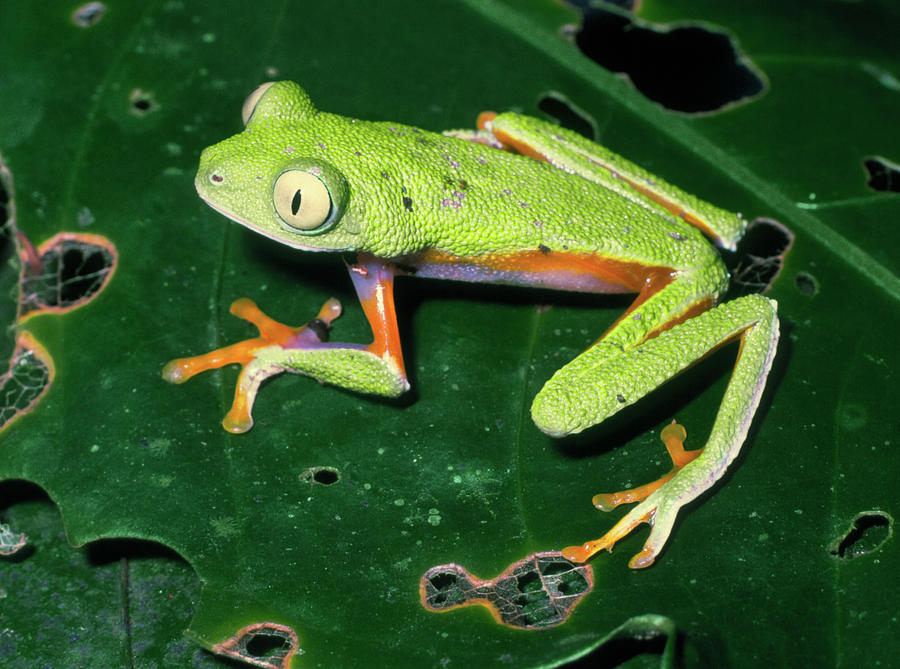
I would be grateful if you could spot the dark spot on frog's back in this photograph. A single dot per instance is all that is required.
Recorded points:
(543, 249)
(408, 203)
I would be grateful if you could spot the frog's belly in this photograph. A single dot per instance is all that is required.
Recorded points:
(580, 272)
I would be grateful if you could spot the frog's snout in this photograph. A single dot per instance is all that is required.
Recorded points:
(210, 174)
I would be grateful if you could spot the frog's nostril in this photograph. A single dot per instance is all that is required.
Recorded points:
(216, 178)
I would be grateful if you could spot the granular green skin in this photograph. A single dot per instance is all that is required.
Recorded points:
(457, 206)
(412, 190)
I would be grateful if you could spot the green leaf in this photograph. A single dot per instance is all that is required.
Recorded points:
(102, 127)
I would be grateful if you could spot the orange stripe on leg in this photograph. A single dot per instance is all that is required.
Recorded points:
(374, 283)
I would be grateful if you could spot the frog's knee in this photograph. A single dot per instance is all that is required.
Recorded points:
(555, 414)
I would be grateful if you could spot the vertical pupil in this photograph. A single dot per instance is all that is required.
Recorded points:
(295, 202)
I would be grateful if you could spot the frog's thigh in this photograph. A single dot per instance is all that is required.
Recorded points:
(598, 383)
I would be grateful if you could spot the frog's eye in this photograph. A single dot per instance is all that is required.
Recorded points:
(302, 201)
(252, 100)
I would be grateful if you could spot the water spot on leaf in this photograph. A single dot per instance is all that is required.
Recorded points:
(852, 416)
(686, 67)
(224, 527)
(321, 476)
(85, 217)
(268, 645)
(537, 592)
(867, 534)
(884, 175)
(882, 76)
(88, 14)
(806, 284)
(159, 446)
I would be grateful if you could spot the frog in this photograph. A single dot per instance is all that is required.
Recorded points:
(517, 200)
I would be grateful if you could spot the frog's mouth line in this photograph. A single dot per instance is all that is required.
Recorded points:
(286, 240)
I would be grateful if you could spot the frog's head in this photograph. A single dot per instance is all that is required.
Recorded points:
(263, 178)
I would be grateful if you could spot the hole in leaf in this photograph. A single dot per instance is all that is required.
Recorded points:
(535, 593)
(884, 175)
(14, 545)
(572, 582)
(689, 68)
(326, 476)
(568, 114)
(11, 542)
(66, 271)
(268, 645)
(112, 551)
(29, 376)
(556, 568)
(642, 650)
(529, 582)
(448, 586)
(88, 14)
(868, 533)
(141, 102)
(443, 580)
(806, 284)
(760, 255)
(4, 200)
(8, 230)
(321, 475)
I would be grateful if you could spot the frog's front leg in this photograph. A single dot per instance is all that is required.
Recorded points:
(374, 369)
(608, 377)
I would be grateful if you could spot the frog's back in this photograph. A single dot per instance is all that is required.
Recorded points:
(465, 199)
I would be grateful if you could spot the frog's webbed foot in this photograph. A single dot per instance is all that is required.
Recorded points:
(258, 357)
(608, 377)
(375, 369)
(659, 506)
(673, 436)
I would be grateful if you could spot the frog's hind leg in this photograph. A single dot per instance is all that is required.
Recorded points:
(623, 378)
(570, 151)
(622, 366)
(673, 436)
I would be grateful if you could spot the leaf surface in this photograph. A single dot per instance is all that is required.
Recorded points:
(102, 127)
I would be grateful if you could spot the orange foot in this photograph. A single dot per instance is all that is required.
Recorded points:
(245, 353)
(673, 437)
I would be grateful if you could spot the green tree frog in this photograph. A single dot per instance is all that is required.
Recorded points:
(517, 201)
